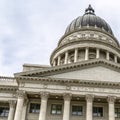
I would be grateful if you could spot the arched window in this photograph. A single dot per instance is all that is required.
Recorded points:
(92, 53)
(71, 57)
(102, 54)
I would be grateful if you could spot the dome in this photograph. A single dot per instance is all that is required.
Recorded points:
(88, 37)
(89, 19)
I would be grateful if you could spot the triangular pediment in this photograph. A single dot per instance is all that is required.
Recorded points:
(98, 73)
(98, 70)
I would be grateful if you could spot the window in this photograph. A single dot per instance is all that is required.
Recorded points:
(34, 108)
(77, 110)
(4, 111)
(56, 109)
(117, 112)
(97, 111)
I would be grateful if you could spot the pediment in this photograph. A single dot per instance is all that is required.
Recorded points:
(97, 73)
(97, 70)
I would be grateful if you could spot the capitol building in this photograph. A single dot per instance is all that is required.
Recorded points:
(81, 83)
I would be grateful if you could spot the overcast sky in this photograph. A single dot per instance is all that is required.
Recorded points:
(31, 29)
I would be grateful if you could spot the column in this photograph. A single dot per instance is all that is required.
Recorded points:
(97, 53)
(107, 55)
(66, 57)
(111, 108)
(66, 112)
(11, 110)
(24, 110)
(59, 60)
(20, 101)
(86, 53)
(115, 58)
(76, 55)
(54, 62)
(43, 108)
(89, 107)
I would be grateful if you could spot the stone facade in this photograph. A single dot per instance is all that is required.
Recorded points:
(82, 83)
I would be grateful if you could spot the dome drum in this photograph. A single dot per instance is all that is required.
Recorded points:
(84, 53)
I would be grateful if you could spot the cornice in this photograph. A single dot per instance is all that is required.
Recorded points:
(70, 82)
(71, 67)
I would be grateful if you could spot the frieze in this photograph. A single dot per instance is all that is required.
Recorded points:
(93, 89)
(84, 89)
(87, 35)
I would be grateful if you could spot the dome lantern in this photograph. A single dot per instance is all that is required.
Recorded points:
(89, 10)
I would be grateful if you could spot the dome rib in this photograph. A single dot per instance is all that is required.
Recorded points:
(89, 19)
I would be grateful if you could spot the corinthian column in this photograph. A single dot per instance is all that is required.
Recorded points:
(111, 100)
(66, 113)
(12, 110)
(97, 53)
(24, 110)
(107, 55)
(66, 58)
(86, 53)
(43, 108)
(59, 58)
(89, 105)
(20, 101)
(76, 55)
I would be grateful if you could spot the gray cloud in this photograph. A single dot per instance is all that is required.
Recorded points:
(30, 29)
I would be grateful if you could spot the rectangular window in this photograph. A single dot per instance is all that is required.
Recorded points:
(117, 112)
(34, 108)
(77, 110)
(97, 111)
(56, 109)
(4, 111)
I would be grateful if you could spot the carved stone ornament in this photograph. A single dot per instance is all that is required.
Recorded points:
(26, 102)
(44, 95)
(89, 98)
(12, 103)
(21, 94)
(67, 96)
(111, 99)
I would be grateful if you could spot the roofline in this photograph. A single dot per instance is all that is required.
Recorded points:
(69, 67)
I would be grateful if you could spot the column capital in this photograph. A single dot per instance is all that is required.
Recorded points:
(44, 95)
(111, 99)
(89, 98)
(21, 94)
(12, 103)
(67, 96)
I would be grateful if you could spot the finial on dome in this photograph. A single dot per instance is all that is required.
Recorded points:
(89, 10)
